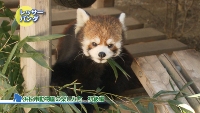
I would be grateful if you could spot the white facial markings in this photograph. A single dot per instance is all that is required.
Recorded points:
(85, 44)
(109, 41)
(94, 53)
(96, 40)
(118, 45)
(95, 50)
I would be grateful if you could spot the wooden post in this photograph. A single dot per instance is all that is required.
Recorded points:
(34, 74)
(103, 3)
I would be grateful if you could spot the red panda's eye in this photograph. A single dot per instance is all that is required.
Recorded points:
(94, 44)
(110, 45)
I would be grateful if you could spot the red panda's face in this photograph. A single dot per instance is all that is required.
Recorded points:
(102, 35)
(100, 52)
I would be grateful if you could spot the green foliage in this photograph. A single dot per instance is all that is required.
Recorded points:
(113, 64)
(11, 78)
(9, 63)
(176, 105)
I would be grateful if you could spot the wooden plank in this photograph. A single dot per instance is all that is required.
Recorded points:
(11, 3)
(132, 23)
(34, 74)
(98, 4)
(189, 61)
(103, 3)
(179, 80)
(66, 16)
(109, 3)
(129, 22)
(143, 35)
(154, 78)
(135, 92)
(155, 47)
(149, 48)
(130, 37)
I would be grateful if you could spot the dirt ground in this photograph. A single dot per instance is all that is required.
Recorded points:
(153, 14)
(183, 25)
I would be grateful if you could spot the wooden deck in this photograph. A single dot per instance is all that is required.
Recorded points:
(156, 71)
(156, 57)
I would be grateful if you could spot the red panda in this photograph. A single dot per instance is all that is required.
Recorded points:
(84, 52)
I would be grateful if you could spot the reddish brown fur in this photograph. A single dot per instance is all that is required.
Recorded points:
(104, 27)
(90, 46)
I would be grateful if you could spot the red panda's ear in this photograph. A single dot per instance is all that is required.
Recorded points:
(81, 19)
(122, 20)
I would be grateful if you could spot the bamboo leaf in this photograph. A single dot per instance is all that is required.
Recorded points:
(9, 93)
(21, 43)
(1, 4)
(41, 61)
(33, 110)
(75, 108)
(83, 107)
(171, 84)
(174, 102)
(9, 13)
(114, 69)
(67, 108)
(43, 110)
(6, 108)
(75, 89)
(120, 68)
(110, 101)
(9, 59)
(56, 109)
(28, 54)
(3, 76)
(61, 93)
(109, 111)
(161, 92)
(36, 105)
(177, 106)
(174, 107)
(28, 48)
(96, 108)
(14, 26)
(66, 85)
(15, 37)
(6, 29)
(118, 110)
(127, 108)
(186, 85)
(4, 23)
(137, 99)
(37, 57)
(141, 108)
(151, 107)
(43, 38)
(99, 89)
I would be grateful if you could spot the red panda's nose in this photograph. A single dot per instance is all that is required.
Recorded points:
(101, 54)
